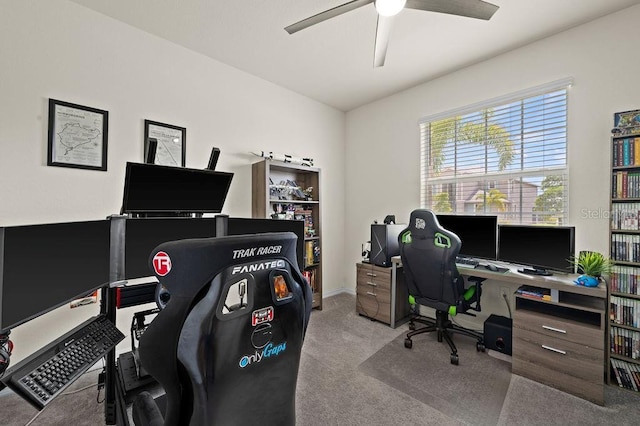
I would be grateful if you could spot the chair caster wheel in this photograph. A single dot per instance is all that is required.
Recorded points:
(412, 326)
(480, 347)
(454, 359)
(408, 343)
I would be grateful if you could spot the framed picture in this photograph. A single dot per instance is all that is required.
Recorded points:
(170, 145)
(77, 136)
(627, 122)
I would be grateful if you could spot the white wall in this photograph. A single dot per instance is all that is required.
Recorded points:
(58, 49)
(382, 148)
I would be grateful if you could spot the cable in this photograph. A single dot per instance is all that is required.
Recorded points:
(35, 417)
(504, 296)
(79, 390)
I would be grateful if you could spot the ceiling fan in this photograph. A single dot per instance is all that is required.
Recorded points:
(387, 9)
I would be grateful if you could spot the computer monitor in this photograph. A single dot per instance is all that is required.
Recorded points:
(543, 248)
(477, 233)
(42, 267)
(144, 235)
(150, 188)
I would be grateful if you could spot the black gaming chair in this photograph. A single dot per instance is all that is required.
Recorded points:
(226, 346)
(428, 254)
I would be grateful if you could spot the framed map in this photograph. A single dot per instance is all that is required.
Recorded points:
(77, 136)
(171, 143)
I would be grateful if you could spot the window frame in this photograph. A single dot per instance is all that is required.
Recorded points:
(509, 176)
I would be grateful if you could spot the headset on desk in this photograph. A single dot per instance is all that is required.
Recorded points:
(6, 347)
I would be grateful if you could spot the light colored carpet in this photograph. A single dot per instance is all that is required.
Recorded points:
(339, 384)
(70, 408)
(530, 403)
(471, 392)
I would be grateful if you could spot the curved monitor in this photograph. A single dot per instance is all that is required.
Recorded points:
(541, 247)
(477, 233)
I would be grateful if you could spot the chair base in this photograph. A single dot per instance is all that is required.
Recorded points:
(443, 327)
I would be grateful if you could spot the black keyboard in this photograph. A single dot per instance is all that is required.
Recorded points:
(46, 374)
(467, 261)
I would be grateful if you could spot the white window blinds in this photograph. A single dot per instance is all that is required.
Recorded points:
(506, 157)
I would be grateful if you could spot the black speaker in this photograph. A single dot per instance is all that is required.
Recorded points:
(384, 243)
(497, 334)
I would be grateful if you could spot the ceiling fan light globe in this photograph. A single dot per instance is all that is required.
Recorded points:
(389, 7)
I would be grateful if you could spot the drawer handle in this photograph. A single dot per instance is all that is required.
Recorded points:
(371, 283)
(549, 348)
(371, 274)
(557, 330)
(370, 293)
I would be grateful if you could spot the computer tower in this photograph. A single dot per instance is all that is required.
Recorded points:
(384, 243)
(497, 334)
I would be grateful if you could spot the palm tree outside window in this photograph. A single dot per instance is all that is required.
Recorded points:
(506, 157)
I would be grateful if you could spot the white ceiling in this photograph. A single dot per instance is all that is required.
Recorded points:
(332, 61)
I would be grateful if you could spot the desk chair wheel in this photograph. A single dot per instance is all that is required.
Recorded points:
(480, 347)
(408, 343)
(454, 359)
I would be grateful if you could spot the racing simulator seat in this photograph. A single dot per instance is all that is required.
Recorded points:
(428, 254)
(226, 343)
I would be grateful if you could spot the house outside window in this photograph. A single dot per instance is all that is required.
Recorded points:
(505, 157)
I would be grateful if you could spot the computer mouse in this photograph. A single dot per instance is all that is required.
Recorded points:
(491, 267)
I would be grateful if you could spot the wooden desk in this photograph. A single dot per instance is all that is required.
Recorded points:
(381, 294)
(560, 342)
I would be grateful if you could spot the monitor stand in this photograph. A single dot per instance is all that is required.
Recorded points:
(533, 271)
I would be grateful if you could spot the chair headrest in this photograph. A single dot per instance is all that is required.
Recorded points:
(423, 223)
(184, 266)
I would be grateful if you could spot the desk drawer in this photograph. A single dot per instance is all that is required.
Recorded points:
(567, 366)
(374, 277)
(559, 355)
(373, 306)
(581, 388)
(565, 329)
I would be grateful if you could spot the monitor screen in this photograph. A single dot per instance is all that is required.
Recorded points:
(542, 247)
(43, 267)
(144, 235)
(477, 233)
(150, 188)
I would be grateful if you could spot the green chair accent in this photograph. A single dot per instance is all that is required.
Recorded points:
(428, 254)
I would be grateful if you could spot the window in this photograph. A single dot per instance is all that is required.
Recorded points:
(506, 157)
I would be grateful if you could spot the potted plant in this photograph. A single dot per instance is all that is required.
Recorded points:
(592, 265)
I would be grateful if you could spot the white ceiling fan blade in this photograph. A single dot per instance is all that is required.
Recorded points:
(383, 31)
(327, 14)
(470, 8)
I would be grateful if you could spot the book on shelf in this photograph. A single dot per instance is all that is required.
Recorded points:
(635, 374)
(623, 310)
(626, 151)
(534, 292)
(625, 342)
(624, 279)
(310, 276)
(307, 217)
(627, 374)
(311, 252)
(616, 372)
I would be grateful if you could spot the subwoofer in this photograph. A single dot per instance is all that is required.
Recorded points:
(497, 334)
